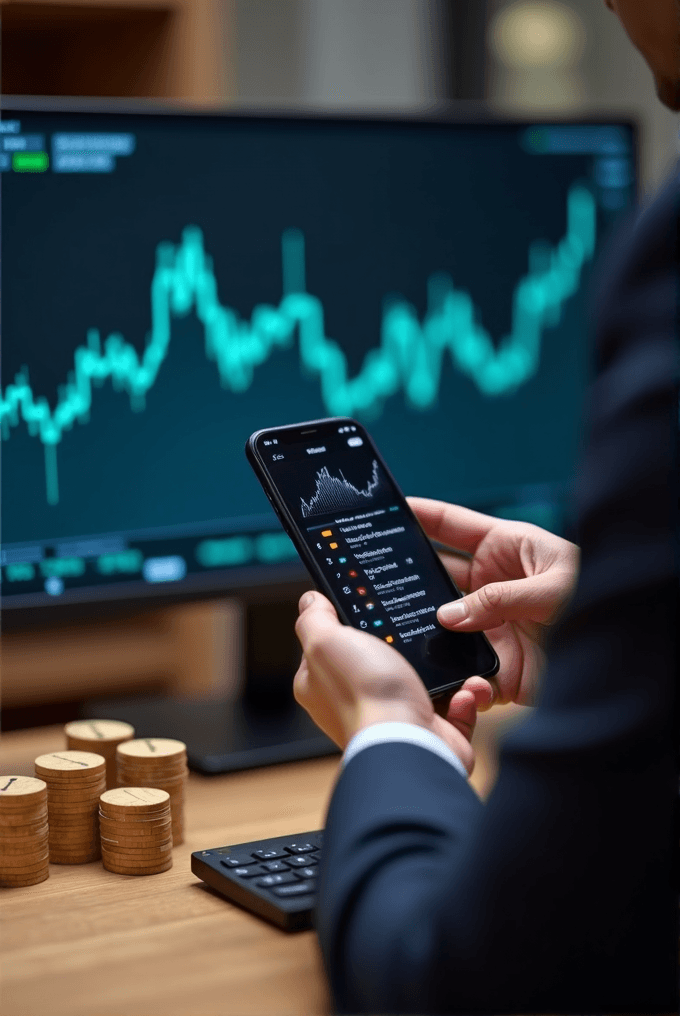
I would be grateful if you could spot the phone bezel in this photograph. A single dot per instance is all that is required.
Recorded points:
(291, 526)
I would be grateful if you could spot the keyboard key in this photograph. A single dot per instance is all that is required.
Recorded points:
(300, 848)
(254, 869)
(296, 889)
(306, 872)
(279, 879)
(235, 860)
(268, 855)
(275, 865)
(300, 860)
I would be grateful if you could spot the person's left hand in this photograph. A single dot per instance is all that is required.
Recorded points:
(349, 679)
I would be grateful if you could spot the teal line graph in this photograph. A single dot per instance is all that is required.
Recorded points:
(409, 356)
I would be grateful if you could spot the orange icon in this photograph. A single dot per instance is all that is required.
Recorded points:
(333, 546)
(327, 532)
(388, 638)
(361, 591)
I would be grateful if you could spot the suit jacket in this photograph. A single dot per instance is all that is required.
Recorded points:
(557, 895)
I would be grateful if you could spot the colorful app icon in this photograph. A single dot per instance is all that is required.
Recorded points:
(370, 605)
(342, 560)
(389, 638)
(327, 532)
(352, 574)
(377, 624)
(361, 590)
(333, 546)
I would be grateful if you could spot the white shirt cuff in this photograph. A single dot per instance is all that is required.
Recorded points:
(410, 733)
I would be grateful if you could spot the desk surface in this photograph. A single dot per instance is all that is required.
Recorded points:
(90, 943)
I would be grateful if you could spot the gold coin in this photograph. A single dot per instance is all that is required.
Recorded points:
(24, 821)
(152, 747)
(27, 863)
(149, 834)
(147, 820)
(127, 855)
(121, 869)
(25, 857)
(99, 730)
(132, 814)
(75, 796)
(23, 870)
(138, 799)
(65, 762)
(10, 842)
(128, 846)
(147, 763)
(19, 883)
(144, 763)
(96, 785)
(74, 857)
(20, 791)
(17, 847)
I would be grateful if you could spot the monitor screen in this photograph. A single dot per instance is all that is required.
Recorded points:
(174, 281)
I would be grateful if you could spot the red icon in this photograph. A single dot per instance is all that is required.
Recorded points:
(353, 574)
(361, 591)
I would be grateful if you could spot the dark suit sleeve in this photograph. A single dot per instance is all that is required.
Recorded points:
(558, 894)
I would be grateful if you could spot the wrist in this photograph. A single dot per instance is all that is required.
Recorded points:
(370, 713)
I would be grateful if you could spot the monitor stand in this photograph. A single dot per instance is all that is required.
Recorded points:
(222, 736)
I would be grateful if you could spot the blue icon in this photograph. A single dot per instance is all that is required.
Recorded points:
(377, 624)
(342, 560)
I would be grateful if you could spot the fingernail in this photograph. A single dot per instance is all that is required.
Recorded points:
(306, 600)
(452, 613)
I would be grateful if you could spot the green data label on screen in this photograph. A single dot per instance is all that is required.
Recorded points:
(62, 567)
(221, 553)
(30, 162)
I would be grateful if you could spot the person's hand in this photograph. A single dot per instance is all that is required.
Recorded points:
(517, 578)
(350, 679)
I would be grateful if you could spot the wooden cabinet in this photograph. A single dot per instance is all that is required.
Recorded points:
(175, 49)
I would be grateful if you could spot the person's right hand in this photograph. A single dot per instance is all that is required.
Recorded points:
(517, 578)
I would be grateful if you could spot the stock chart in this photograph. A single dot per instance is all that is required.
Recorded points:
(171, 284)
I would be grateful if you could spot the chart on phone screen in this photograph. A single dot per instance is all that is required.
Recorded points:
(335, 493)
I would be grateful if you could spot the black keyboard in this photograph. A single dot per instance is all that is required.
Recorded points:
(274, 878)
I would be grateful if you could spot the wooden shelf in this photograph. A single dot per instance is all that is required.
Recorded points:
(122, 48)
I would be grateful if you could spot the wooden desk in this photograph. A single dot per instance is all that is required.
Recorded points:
(90, 943)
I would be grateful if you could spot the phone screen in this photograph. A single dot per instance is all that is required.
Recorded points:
(363, 541)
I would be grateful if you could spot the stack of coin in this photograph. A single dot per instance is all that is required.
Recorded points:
(157, 762)
(75, 780)
(24, 847)
(136, 830)
(102, 736)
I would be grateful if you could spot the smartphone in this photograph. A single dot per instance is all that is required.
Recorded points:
(364, 547)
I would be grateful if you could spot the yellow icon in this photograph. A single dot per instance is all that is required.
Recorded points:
(333, 546)
(389, 638)
(327, 532)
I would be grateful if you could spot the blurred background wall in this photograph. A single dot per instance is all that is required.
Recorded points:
(523, 55)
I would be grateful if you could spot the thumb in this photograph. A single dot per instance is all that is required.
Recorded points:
(536, 598)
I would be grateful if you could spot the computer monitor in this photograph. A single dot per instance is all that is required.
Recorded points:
(174, 280)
